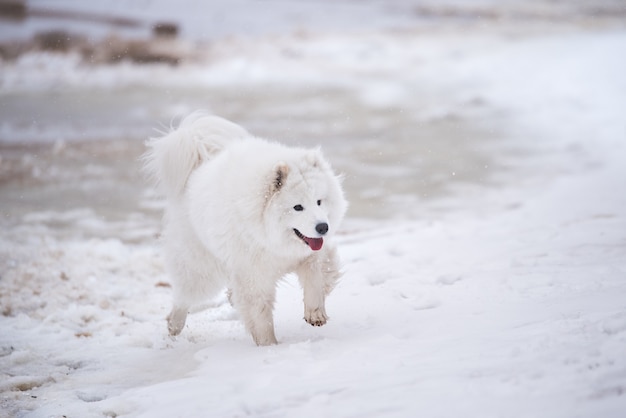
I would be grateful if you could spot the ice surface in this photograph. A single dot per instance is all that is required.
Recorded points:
(484, 260)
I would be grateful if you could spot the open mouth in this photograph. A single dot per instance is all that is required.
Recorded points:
(314, 243)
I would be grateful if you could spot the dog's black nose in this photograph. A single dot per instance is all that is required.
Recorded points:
(321, 228)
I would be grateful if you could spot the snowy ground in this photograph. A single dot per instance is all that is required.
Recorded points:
(485, 262)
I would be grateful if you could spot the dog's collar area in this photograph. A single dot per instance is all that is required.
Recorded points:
(314, 243)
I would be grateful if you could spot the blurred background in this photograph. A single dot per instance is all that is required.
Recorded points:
(389, 89)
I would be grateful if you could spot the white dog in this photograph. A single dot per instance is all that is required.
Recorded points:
(241, 213)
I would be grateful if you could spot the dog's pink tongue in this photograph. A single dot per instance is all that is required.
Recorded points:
(314, 243)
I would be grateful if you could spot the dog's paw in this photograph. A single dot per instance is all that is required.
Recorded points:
(176, 321)
(265, 340)
(264, 336)
(174, 329)
(316, 317)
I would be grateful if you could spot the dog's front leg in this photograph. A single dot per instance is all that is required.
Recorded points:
(318, 278)
(255, 304)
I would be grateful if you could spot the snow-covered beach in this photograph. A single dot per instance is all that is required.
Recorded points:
(485, 250)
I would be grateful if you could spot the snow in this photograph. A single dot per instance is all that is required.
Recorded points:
(502, 297)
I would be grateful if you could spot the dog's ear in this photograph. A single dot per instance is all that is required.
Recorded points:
(279, 177)
(314, 157)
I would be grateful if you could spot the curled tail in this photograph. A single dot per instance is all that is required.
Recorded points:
(171, 159)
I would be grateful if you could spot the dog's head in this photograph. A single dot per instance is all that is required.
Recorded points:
(305, 203)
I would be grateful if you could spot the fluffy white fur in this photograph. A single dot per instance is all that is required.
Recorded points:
(241, 213)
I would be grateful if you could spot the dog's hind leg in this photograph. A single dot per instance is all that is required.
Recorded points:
(196, 277)
(318, 278)
(176, 319)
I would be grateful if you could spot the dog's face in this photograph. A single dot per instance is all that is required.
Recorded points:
(305, 205)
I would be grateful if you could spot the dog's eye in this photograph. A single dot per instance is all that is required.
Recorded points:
(298, 208)
(319, 203)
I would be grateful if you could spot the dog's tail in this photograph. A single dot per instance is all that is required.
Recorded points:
(171, 159)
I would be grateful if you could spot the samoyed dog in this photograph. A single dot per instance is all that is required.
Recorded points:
(241, 213)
